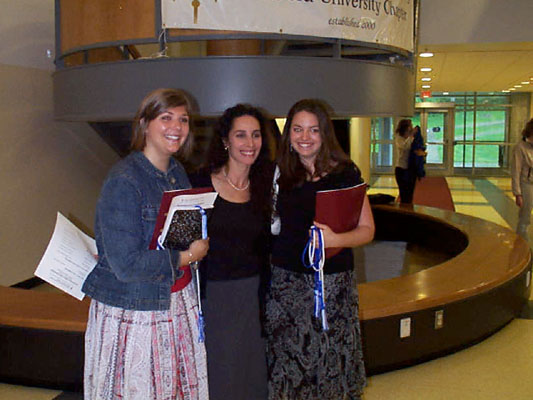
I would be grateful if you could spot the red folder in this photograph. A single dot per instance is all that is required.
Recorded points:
(165, 205)
(340, 209)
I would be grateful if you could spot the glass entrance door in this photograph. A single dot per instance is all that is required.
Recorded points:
(437, 125)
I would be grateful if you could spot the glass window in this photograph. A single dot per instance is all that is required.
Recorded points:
(488, 156)
(464, 124)
(382, 143)
(490, 125)
(462, 156)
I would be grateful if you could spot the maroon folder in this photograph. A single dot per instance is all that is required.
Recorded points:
(165, 205)
(340, 209)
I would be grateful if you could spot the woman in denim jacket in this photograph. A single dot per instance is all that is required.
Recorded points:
(142, 339)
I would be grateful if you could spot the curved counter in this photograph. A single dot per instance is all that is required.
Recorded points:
(482, 287)
(475, 292)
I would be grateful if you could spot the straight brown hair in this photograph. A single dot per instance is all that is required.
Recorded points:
(154, 104)
(330, 156)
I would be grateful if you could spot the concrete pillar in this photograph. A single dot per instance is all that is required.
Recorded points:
(360, 129)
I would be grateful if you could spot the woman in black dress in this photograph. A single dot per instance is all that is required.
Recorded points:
(240, 171)
(305, 361)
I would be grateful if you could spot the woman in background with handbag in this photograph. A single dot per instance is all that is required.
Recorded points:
(304, 360)
(142, 337)
(240, 171)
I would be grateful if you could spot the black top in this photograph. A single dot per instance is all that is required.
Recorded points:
(296, 210)
(238, 238)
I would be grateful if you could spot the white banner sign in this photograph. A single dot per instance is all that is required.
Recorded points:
(387, 22)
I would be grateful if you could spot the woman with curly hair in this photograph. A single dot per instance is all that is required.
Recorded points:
(240, 171)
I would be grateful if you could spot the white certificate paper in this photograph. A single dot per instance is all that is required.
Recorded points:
(68, 259)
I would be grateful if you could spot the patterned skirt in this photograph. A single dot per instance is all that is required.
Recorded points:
(145, 354)
(305, 362)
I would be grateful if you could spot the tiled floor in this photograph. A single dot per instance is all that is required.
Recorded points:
(497, 368)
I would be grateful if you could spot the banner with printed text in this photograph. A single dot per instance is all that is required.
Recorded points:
(386, 22)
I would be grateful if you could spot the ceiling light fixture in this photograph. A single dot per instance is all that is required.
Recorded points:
(512, 88)
(426, 54)
(428, 69)
(517, 86)
(426, 86)
(445, 93)
(505, 91)
(426, 79)
(525, 83)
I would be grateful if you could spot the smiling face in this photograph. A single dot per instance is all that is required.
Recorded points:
(166, 133)
(305, 137)
(244, 140)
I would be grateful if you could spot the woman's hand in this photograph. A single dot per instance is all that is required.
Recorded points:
(359, 236)
(330, 237)
(519, 201)
(196, 251)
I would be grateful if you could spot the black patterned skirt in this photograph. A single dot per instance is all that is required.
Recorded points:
(305, 362)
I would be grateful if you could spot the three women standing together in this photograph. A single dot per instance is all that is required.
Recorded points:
(141, 340)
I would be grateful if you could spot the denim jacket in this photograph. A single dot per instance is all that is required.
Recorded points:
(127, 274)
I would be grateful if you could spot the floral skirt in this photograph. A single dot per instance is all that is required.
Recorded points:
(145, 354)
(305, 362)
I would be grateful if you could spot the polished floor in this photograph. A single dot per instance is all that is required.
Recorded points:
(498, 368)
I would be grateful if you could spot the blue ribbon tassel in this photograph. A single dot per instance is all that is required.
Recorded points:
(201, 321)
(316, 257)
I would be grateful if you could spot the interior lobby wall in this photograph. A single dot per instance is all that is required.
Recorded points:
(45, 166)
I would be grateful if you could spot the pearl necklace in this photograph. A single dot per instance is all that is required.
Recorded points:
(232, 185)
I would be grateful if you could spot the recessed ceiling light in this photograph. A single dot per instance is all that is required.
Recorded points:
(517, 86)
(426, 79)
(505, 91)
(426, 54)
(512, 88)
(426, 86)
(445, 93)
(428, 69)
(525, 83)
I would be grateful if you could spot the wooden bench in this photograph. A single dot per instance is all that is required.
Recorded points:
(42, 338)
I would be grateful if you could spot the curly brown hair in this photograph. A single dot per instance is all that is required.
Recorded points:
(261, 172)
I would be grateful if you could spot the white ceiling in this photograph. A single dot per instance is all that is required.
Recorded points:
(477, 67)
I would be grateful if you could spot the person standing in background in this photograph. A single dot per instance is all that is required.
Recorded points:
(417, 159)
(522, 178)
(405, 176)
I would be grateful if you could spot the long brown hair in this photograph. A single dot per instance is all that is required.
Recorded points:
(154, 104)
(528, 129)
(403, 127)
(330, 157)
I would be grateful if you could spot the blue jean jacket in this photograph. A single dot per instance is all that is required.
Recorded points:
(127, 274)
